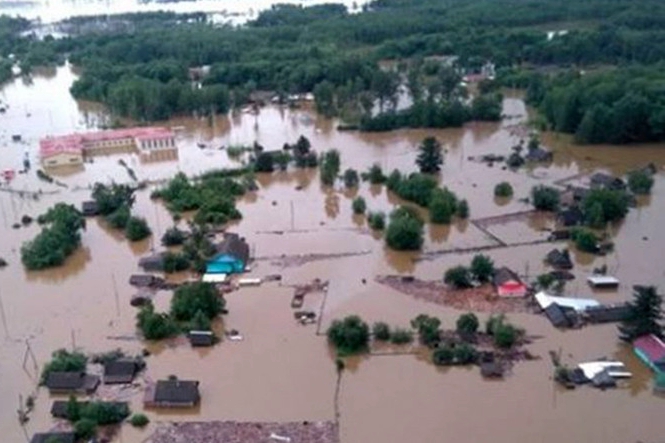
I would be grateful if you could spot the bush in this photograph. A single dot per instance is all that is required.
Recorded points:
(640, 182)
(376, 220)
(139, 420)
(458, 277)
(443, 356)
(428, 329)
(111, 198)
(405, 231)
(545, 280)
(85, 429)
(465, 354)
(401, 336)
(193, 297)
(330, 163)
(173, 237)
(102, 413)
(482, 268)
(349, 336)
(137, 229)
(64, 361)
(351, 178)
(442, 206)
(585, 240)
(503, 189)
(119, 218)
(264, 162)
(175, 262)
(545, 198)
(359, 206)
(374, 175)
(381, 331)
(493, 323)
(613, 206)
(463, 209)
(467, 323)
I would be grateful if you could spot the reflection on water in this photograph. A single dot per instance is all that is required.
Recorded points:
(291, 215)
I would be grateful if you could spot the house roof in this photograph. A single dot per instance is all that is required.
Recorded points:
(201, 338)
(153, 262)
(602, 180)
(571, 216)
(120, 370)
(68, 144)
(651, 346)
(539, 155)
(602, 280)
(505, 275)
(560, 259)
(607, 313)
(557, 316)
(177, 391)
(89, 206)
(235, 246)
(53, 437)
(65, 380)
(142, 280)
(578, 304)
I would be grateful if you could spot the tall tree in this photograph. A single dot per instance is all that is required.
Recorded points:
(430, 156)
(645, 313)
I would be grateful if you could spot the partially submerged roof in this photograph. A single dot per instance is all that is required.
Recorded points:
(201, 338)
(607, 313)
(613, 368)
(121, 370)
(53, 437)
(214, 278)
(651, 347)
(65, 380)
(560, 259)
(177, 391)
(234, 246)
(578, 304)
(558, 316)
(143, 280)
(603, 281)
(504, 275)
(153, 262)
(602, 180)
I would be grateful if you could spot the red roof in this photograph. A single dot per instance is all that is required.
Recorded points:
(73, 143)
(651, 346)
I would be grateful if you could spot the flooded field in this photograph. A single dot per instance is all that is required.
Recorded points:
(282, 371)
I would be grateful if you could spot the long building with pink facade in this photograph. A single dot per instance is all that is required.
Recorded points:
(72, 148)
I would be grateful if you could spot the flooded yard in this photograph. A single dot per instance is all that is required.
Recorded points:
(283, 371)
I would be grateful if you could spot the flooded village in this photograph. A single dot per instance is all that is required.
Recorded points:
(308, 259)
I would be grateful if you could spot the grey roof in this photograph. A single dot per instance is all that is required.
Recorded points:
(122, 370)
(503, 275)
(177, 391)
(235, 246)
(491, 369)
(607, 313)
(153, 262)
(539, 155)
(571, 216)
(602, 180)
(559, 259)
(65, 380)
(89, 207)
(557, 316)
(53, 437)
(143, 280)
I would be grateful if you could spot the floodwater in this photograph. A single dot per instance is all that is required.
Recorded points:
(51, 11)
(283, 371)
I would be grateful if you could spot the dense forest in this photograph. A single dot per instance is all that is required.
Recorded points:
(139, 64)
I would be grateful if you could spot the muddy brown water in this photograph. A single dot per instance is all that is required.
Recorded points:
(283, 371)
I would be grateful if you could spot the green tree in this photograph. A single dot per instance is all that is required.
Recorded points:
(376, 220)
(482, 268)
(640, 182)
(359, 206)
(119, 218)
(614, 204)
(458, 277)
(351, 178)
(175, 262)
(265, 162)
(324, 97)
(154, 325)
(430, 156)
(194, 297)
(442, 206)
(465, 354)
(110, 198)
(585, 240)
(85, 429)
(330, 164)
(503, 189)
(428, 328)
(64, 361)
(73, 409)
(349, 336)
(137, 229)
(505, 335)
(105, 413)
(381, 331)
(200, 322)
(401, 336)
(463, 209)
(545, 198)
(644, 314)
(173, 237)
(375, 175)
(405, 230)
(467, 323)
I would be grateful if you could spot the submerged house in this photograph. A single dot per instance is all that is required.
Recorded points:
(152, 263)
(606, 181)
(508, 283)
(122, 370)
(89, 208)
(651, 350)
(71, 382)
(561, 317)
(559, 259)
(173, 393)
(231, 257)
(201, 338)
(539, 155)
(607, 313)
(572, 216)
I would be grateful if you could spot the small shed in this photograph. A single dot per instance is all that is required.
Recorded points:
(173, 393)
(89, 208)
(144, 280)
(71, 382)
(508, 283)
(232, 256)
(201, 338)
(53, 437)
(603, 281)
(651, 350)
(607, 313)
(122, 370)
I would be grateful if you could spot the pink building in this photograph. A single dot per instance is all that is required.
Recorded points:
(70, 149)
